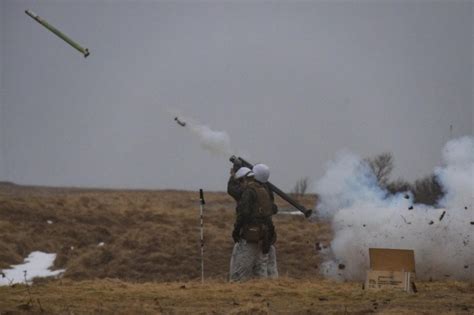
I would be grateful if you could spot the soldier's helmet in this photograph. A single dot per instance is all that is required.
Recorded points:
(262, 172)
(242, 172)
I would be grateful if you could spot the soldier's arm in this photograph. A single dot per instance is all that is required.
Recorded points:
(234, 188)
(244, 206)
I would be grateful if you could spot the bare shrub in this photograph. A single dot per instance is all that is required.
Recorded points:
(301, 186)
(399, 186)
(382, 166)
(427, 190)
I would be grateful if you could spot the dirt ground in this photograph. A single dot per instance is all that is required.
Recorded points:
(283, 296)
(150, 260)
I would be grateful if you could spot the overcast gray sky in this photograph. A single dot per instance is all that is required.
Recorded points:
(291, 82)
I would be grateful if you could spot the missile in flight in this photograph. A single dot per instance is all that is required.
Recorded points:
(58, 33)
(180, 122)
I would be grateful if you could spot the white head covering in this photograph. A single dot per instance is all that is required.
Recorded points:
(262, 172)
(243, 171)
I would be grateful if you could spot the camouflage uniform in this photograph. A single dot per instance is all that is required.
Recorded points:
(234, 188)
(252, 259)
(248, 261)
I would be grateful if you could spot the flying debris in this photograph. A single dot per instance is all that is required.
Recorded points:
(180, 122)
(84, 51)
(442, 215)
(405, 220)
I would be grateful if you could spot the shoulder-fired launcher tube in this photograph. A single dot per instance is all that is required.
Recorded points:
(58, 33)
(276, 190)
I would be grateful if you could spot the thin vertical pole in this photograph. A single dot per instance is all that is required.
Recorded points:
(201, 197)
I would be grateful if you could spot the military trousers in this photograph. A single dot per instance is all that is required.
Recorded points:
(249, 262)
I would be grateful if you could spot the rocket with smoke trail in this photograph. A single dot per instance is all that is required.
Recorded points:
(214, 141)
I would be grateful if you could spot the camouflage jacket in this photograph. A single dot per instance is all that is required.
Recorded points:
(246, 202)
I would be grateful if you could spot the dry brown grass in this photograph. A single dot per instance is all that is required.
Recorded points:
(148, 235)
(150, 262)
(283, 296)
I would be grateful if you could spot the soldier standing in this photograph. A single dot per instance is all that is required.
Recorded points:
(254, 233)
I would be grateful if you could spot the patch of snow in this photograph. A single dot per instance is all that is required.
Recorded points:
(37, 264)
(290, 212)
(49, 222)
(101, 244)
(295, 213)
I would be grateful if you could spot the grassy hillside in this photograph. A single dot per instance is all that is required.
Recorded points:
(150, 260)
(147, 235)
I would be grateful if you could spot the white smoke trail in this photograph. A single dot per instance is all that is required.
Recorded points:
(214, 141)
(363, 216)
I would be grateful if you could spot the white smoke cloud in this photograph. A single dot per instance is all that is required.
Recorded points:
(214, 141)
(363, 216)
(458, 173)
